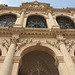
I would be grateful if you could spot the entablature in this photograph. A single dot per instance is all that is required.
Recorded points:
(37, 32)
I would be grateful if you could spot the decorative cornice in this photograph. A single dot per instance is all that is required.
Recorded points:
(37, 32)
(36, 6)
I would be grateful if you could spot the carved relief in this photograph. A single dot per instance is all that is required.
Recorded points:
(5, 44)
(36, 6)
(70, 44)
(25, 42)
(53, 43)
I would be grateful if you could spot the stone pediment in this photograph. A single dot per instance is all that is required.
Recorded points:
(35, 5)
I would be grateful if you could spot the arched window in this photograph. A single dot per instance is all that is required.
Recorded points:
(36, 22)
(7, 20)
(65, 23)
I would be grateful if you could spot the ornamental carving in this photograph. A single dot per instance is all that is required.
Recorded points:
(53, 43)
(35, 5)
(20, 44)
(5, 44)
(70, 44)
(25, 42)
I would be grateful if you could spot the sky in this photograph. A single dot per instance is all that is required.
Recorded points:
(53, 3)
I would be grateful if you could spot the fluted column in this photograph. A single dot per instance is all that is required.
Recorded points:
(8, 62)
(67, 58)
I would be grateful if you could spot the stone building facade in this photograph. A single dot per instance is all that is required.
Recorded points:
(37, 39)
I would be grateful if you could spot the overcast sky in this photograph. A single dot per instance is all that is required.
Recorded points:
(54, 3)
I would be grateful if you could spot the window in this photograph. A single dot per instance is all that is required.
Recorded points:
(36, 22)
(65, 23)
(7, 20)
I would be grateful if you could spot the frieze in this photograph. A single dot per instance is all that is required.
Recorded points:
(45, 32)
(25, 42)
(6, 43)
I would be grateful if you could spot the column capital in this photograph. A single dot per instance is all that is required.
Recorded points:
(23, 10)
(60, 39)
(14, 39)
(49, 11)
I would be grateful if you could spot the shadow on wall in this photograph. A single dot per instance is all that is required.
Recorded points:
(0, 52)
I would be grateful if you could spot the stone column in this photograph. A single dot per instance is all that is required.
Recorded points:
(48, 23)
(8, 62)
(17, 23)
(62, 69)
(56, 24)
(22, 18)
(50, 20)
(67, 58)
(24, 23)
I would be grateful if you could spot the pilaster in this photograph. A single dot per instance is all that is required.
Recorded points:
(19, 21)
(50, 21)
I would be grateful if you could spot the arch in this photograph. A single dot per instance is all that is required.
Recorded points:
(10, 12)
(36, 21)
(43, 47)
(36, 62)
(36, 13)
(64, 15)
(7, 20)
(65, 22)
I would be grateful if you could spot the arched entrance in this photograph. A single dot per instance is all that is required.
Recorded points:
(38, 63)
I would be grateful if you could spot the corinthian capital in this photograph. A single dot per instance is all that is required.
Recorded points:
(60, 39)
(14, 39)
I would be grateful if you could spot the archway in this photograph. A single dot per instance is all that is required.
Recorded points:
(36, 21)
(38, 63)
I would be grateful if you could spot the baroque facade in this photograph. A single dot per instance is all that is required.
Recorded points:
(37, 39)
